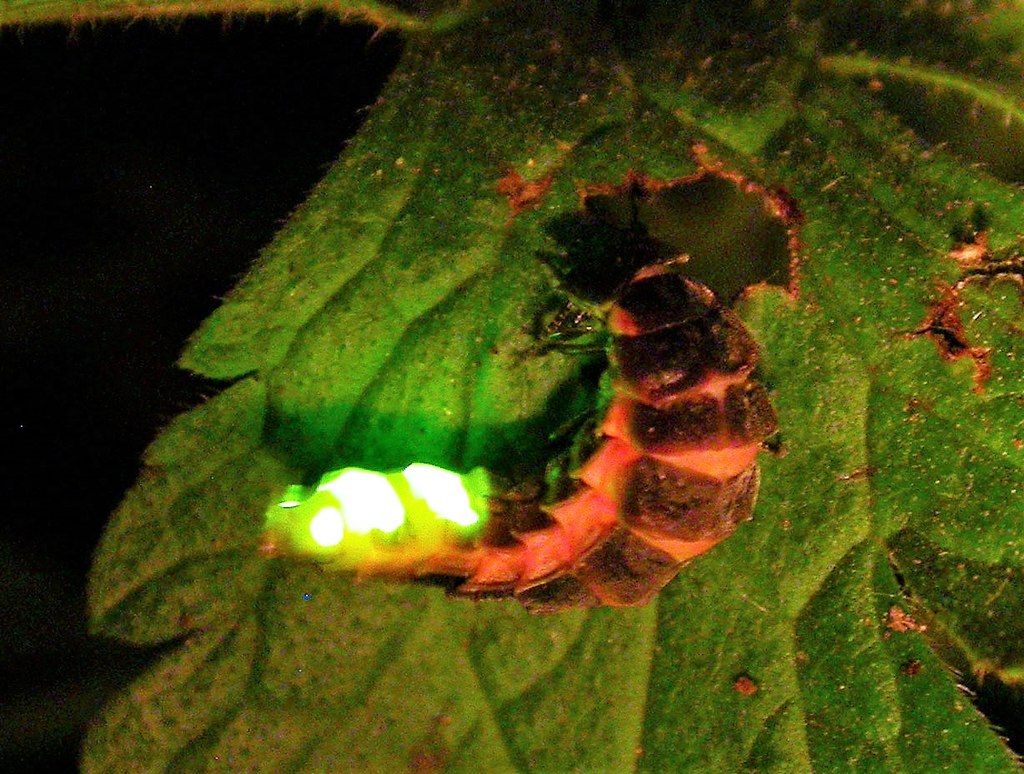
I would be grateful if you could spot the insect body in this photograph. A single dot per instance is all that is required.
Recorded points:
(673, 474)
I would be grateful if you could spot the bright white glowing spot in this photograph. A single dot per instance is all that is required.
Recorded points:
(444, 492)
(289, 503)
(367, 500)
(327, 528)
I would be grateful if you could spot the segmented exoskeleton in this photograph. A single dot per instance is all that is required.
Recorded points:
(673, 473)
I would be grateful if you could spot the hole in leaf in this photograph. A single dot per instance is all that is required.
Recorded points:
(729, 231)
(1000, 702)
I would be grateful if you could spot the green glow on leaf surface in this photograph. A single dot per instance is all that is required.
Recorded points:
(293, 496)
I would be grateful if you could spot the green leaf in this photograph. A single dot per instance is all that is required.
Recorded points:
(424, 14)
(395, 318)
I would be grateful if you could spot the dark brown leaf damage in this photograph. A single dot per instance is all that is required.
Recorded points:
(522, 194)
(944, 326)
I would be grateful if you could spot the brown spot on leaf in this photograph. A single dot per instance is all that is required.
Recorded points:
(911, 667)
(745, 685)
(859, 474)
(269, 547)
(522, 194)
(916, 406)
(944, 326)
(427, 762)
(432, 754)
(973, 252)
(900, 620)
(976, 258)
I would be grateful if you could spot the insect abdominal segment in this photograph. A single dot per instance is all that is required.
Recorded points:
(672, 473)
(380, 523)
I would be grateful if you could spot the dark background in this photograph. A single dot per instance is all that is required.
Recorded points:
(142, 168)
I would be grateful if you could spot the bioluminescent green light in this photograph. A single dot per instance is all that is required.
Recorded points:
(293, 496)
(444, 491)
(367, 500)
(327, 528)
(353, 516)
